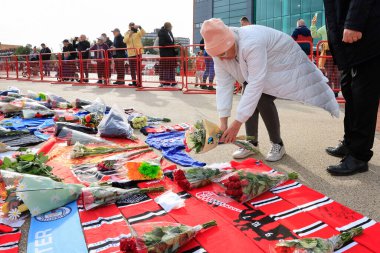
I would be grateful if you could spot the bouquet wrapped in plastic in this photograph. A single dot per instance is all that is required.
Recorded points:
(246, 184)
(80, 150)
(205, 135)
(61, 116)
(103, 195)
(92, 119)
(191, 178)
(160, 237)
(58, 102)
(316, 245)
(98, 106)
(115, 125)
(110, 169)
(133, 170)
(35, 110)
(23, 192)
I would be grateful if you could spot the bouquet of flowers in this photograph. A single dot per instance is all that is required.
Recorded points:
(160, 237)
(133, 170)
(138, 122)
(92, 120)
(80, 150)
(115, 125)
(65, 117)
(79, 103)
(58, 102)
(22, 192)
(205, 135)
(191, 178)
(35, 110)
(316, 245)
(244, 184)
(29, 163)
(103, 195)
(98, 106)
(109, 170)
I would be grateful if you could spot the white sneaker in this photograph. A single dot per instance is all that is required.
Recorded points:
(276, 153)
(242, 153)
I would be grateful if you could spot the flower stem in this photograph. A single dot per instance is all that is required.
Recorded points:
(293, 175)
(209, 224)
(152, 189)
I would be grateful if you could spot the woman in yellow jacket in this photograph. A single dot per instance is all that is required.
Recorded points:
(134, 44)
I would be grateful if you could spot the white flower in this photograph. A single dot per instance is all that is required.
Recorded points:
(21, 196)
(9, 187)
(35, 211)
(55, 199)
(21, 187)
(14, 214)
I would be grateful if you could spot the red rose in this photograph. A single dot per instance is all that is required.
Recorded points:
(244, 182)
(128, 245)
(1, 162)
(87, 118)
(179, 175)
(234, 178)
(283, 249)
(184, 184)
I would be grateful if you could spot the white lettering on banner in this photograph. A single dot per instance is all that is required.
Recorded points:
(43, 239)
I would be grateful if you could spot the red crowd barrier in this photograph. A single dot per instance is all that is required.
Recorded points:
(325, 63)
(163, 72)
(48, 68)
(123, 70)
(68, 68)
(4, 67)
(200, 73)
(310, 53)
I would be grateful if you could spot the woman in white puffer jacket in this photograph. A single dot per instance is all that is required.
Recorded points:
(270, 62)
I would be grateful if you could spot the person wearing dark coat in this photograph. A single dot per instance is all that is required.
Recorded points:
(68, 64)
(354, 39)
(119, 56)
(45, 55)
(168, 65)
(303, 33)
(100, 49)
(82, 47)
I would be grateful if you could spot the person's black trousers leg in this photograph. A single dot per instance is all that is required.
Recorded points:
(345, 84)
(101, 70)
(120, 69)
(365, 87)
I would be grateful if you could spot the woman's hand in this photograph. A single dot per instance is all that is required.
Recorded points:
(223, 124)
(230, 134)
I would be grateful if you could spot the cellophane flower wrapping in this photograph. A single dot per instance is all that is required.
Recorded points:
(315, 244)
(93, 197)
(115, 125)
(160, 237)
(35, 110)
(191, 178)
(58, 102)
(203, 136)
(63, 116)
(98, 106)
(22, 192)
(72, 136)
(246, 184)
(92, 119)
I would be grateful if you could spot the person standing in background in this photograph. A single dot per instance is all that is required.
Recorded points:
(354, 38)
(134, 44)
(244, 21)
(210, 71)
(101, 49)
(119, 56)
(109, 43)
(302, 33)
(45, 55)
(167, 64)
(82, 47)
(68, 65)
(199, 67)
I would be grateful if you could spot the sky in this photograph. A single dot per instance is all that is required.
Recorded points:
(52, 21)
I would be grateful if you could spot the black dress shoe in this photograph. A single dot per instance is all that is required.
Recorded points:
(339, 151)
(348, 166)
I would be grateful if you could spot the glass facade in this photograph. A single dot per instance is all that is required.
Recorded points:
(231, 11)
(283, 14)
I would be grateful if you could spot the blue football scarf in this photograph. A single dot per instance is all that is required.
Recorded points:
(172, 146)
(57, 231)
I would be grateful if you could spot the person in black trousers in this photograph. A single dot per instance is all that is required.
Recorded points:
(45, 55)
(168, 65)
(353, 36)
(68, 64)
(119, 56)
(82, 47)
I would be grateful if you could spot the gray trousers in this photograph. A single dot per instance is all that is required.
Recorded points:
(269, 114)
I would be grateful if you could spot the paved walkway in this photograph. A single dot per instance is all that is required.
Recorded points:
(306, 132)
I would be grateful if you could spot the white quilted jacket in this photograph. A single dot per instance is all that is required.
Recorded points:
(272, 63)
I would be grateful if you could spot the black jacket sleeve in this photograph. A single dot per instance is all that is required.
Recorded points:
(202, 42)
(358, 13)
(164, 39)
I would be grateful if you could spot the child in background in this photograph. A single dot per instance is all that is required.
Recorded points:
(199, 68)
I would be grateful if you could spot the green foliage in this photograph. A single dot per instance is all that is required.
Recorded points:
(24, 50)
(29, 163)
(147, 42)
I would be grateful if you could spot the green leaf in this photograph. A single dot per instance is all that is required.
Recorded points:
(27, 157)
(7, 162)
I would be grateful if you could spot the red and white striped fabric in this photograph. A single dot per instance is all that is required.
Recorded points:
(9, 240)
